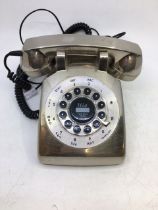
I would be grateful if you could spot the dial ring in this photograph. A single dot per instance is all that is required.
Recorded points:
(108, 124)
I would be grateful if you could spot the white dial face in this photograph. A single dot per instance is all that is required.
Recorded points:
(81, 112)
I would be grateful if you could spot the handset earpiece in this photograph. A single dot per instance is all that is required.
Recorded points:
(35, 63)
(36, 59)
(127, 68)
(128, 63)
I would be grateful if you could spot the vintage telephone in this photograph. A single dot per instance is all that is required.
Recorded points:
(81, 119)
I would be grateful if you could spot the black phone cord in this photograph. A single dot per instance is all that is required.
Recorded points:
(19, 94)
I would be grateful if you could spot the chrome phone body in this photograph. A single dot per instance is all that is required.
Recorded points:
(81, 113)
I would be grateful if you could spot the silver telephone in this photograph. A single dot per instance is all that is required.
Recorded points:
(81, 113)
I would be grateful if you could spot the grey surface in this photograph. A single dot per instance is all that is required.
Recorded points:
(27, 184)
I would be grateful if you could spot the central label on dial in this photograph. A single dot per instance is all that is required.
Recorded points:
(82, 110)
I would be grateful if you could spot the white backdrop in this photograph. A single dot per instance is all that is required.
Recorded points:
(27, 184)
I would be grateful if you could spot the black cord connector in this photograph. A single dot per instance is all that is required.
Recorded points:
(119, 35)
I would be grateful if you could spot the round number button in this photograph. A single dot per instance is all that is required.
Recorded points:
(87, 91)
(96, 96)
(96, 124)
(68, 124)
(76, 129)
(63, 104)
(77, 91)
(62, 114)
(101, 104)
(87, 129)
(101, 115)
(68, 96)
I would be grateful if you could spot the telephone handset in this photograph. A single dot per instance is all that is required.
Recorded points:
(81, 114)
